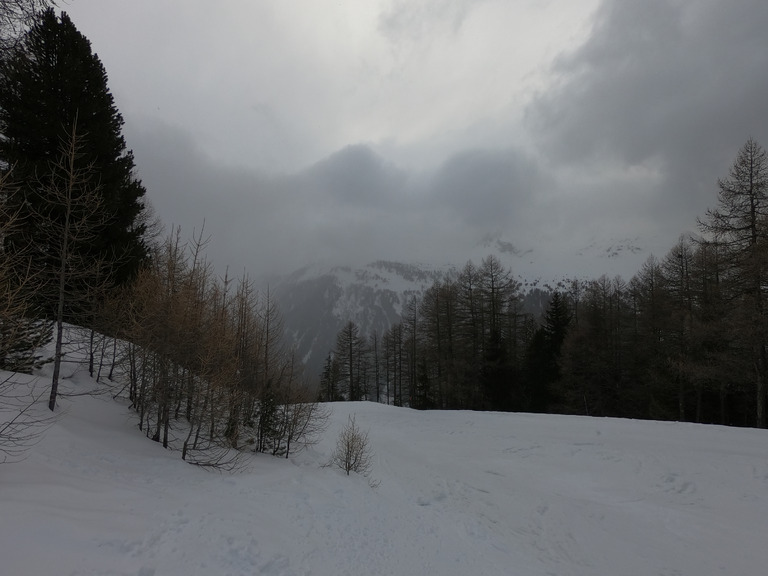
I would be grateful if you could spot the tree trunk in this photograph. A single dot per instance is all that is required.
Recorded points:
(57, 360)
(760, 389)
(60, 311)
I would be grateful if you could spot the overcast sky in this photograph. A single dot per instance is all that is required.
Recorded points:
(414, 129)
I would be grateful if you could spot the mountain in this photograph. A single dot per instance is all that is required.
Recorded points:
(317, 300)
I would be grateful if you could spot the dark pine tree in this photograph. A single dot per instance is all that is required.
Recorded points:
(557, 319)
(49, 82)
(542, 363)
(496, 374)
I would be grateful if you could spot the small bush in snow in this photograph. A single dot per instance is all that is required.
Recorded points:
(353, 451)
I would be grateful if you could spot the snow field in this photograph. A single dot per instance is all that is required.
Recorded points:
(460, 494)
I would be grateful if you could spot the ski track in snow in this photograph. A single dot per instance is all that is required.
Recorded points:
(460, 493)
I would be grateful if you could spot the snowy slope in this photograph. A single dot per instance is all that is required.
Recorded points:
(461, 494)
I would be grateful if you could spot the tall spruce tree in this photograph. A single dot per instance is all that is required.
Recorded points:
(542, 362)
(49, 81)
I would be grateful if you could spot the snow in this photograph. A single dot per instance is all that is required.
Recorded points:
(460, 493)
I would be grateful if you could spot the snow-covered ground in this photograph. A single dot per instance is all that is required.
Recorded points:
(460, 494)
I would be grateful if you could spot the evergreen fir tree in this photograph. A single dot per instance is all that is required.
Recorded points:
(49, 82)
(542, 364)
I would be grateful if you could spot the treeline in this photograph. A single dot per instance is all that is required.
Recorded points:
(684, 339)
(201, 359)
(204, 360)
(463, 345)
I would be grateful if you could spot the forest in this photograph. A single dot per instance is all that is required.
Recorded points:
(683, 339)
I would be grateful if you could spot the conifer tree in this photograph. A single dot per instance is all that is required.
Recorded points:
(49, 81)
(542, 362)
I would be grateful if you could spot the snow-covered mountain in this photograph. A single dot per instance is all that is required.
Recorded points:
(317, 300)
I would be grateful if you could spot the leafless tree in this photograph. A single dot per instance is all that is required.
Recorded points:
(15, 15)
(299, 419)
(73, 215)
(353, 450)
(206, 366)
(353, 359)
(740, 225)
(21, 334)
(306, 420)
(22, 421)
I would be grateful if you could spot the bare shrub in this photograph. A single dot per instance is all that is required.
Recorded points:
(353, 450)
(22, 420)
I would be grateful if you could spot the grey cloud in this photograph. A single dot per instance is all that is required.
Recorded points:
(487, 189)
(371, 209)
(418, 20)
(353, 207)
(665, 90)
(657, 75)
(625, 138)
(356, 176)
(189, 190)
(642, 119)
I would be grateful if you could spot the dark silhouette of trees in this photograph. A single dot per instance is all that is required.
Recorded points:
(329, 380)
(51, 81)
(593, 365)
(739, 226)
(21, 333)
(351, 356)
(456, 347)
(542, 362)
(392, 342)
